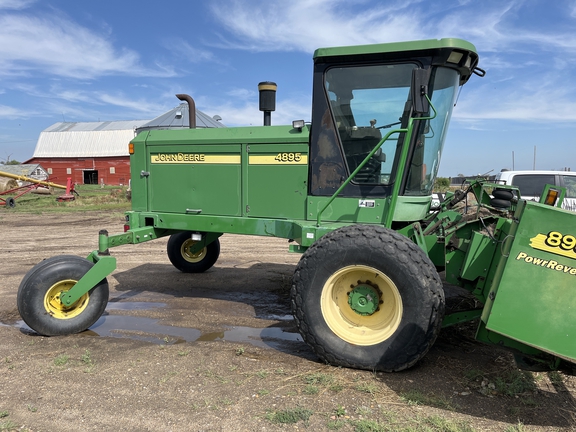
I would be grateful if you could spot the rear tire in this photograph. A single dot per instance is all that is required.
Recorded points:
(39, 293)
(184, 260)
(366, 297)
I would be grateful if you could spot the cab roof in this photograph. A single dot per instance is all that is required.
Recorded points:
(423, 45)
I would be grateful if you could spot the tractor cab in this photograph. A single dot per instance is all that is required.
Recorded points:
(380, 117)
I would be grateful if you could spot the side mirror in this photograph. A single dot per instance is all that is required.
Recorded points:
(420, 104)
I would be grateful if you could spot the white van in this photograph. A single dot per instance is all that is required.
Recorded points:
(531, 184)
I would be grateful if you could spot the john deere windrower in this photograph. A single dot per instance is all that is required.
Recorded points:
(353, 191)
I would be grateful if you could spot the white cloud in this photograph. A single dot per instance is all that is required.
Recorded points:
(12, 113)
(242, 93)
(16, 4)
(182, 49)
(527, 65)
(244, 111)
(52, 44)
(142, 106)
(306, 25)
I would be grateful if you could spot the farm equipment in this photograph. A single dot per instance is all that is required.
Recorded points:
(352, 193)
(32, 185)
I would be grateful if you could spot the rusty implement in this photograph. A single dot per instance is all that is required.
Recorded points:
(32, 185)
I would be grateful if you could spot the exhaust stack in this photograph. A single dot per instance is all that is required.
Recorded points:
(191, 109)
(267, 91)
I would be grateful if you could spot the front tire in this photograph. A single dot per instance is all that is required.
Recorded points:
(39, 297)
(366, 297)
(185, 260)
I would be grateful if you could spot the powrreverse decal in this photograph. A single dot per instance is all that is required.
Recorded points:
(554, 242)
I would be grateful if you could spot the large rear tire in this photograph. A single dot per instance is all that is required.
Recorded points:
(366, 297)
(39, 297)
(186, 261)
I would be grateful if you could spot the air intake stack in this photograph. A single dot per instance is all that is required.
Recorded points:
(267, 91)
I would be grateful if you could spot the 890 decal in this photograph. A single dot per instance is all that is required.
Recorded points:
(288, 157)
(555, 242)
(564, 242)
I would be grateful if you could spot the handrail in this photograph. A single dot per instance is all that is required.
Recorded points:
(349, 179)
(399, 171)
(402, 165)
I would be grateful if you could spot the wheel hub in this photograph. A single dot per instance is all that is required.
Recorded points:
(190, 256)
(54, 305)
(364, 299)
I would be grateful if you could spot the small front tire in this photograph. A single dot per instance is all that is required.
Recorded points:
(40, 291)
(185, 260)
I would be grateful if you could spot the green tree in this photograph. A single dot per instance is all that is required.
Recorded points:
(441, 184)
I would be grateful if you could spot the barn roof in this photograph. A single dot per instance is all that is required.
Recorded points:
(87, 139)
(109, 138)
(178, 118)
(26, 170)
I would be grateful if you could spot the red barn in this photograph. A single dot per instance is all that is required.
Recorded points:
(88, 152)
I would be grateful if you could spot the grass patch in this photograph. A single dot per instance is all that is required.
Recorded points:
(514, 382)
(211, 374)
(370, 388)
(442, 424)
(370, 426)
(61, 360)
(168, 377)
(289, 416)
(473, 374)
(363, 411)
(416, 397)
(516, 428)
(262, 374)
(335, 424)
(8, 425)
(318, 379)
(340, 411)
(86, 358)
(336, 387)
(311, 389)
(434, 423)
(555, 377)
(91, 197)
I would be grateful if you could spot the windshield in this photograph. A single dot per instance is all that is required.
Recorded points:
(369, 101)
(432, 133)
(366, 102)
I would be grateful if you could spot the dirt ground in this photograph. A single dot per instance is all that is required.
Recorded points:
(219, 352)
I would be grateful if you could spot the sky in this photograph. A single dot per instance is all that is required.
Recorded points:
(76, 61)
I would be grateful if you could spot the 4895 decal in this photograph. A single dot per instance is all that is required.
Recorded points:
(288, 157)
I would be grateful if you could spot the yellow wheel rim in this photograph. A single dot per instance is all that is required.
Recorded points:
(189, 256)
(349, 324)
(55, 307)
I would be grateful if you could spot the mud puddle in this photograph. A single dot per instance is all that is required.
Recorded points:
(153, 331)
